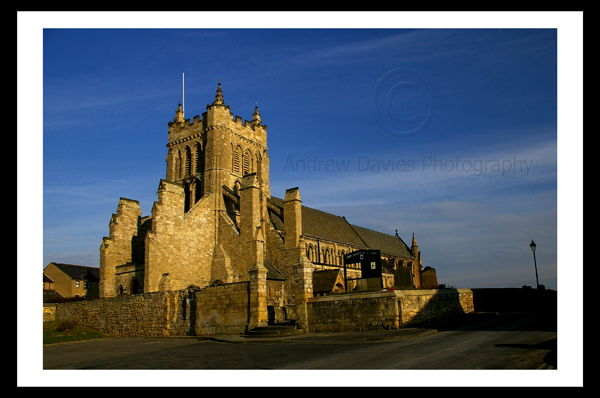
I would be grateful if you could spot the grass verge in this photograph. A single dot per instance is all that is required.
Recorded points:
(64, 332)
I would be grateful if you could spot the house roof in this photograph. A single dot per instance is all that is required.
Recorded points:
(52, 295)
(91, 274)
(319, 224)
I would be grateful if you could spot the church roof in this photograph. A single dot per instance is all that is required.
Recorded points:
(272, 273)
(323, 225)
(387, 244)
(319, 224)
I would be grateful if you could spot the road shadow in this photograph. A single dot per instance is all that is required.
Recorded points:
(513, 310)
(514, 300)
(495, 321)
(549, 359)
(493, 309)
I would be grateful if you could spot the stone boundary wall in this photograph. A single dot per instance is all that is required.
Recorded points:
(49, 312)
(226, 309)
(385, 310)
(138, 315)
(222, 309)
(353, 312)
(416, 306)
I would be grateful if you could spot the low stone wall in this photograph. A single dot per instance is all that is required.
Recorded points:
(422, 305)
(352, 312)
(222, 309)
(385, 310)
(49, 312)
(226, 309)
(138, 315)
(213, 310)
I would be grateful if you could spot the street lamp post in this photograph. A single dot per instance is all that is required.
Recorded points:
(533, 246)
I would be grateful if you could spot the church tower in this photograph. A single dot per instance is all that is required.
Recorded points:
(216, 150)
(212, 205)
(209, 221)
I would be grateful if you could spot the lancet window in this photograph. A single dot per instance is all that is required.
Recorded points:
(236, 160)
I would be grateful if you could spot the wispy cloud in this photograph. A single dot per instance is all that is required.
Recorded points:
(376, 179)
(122, 181)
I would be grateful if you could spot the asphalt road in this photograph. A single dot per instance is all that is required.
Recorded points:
(472, 341)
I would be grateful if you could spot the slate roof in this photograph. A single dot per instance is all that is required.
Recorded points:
(272, 273)
(324, 280)
(91, 274)
(319, 224)
(51, 296)
(387, 244)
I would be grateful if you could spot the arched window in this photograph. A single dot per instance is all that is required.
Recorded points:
(310, 252)
(177, 166)
(133, 286)
(236, 160)
(246, 163)
(188, 161)
(257, 167)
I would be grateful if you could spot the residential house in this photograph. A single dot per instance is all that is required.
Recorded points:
(70, 280)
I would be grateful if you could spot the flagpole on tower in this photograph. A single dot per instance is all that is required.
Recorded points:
(183, 93)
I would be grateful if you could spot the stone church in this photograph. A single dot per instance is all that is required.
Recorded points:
(215, 219)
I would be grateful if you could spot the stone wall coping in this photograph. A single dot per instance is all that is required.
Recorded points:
(427, 292)
(352, 296)
(392, 293)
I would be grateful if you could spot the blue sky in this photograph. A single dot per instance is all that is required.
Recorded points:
(474, 177)
(462, 128)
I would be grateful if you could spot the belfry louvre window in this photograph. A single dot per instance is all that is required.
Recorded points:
(236, 160)
(188, 161)
(246, 161)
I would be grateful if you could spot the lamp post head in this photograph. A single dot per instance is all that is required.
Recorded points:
(532, 245)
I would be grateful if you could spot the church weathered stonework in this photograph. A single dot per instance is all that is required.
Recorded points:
(215, 222)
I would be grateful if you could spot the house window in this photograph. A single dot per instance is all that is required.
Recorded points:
(86, 284)
(77, 284)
